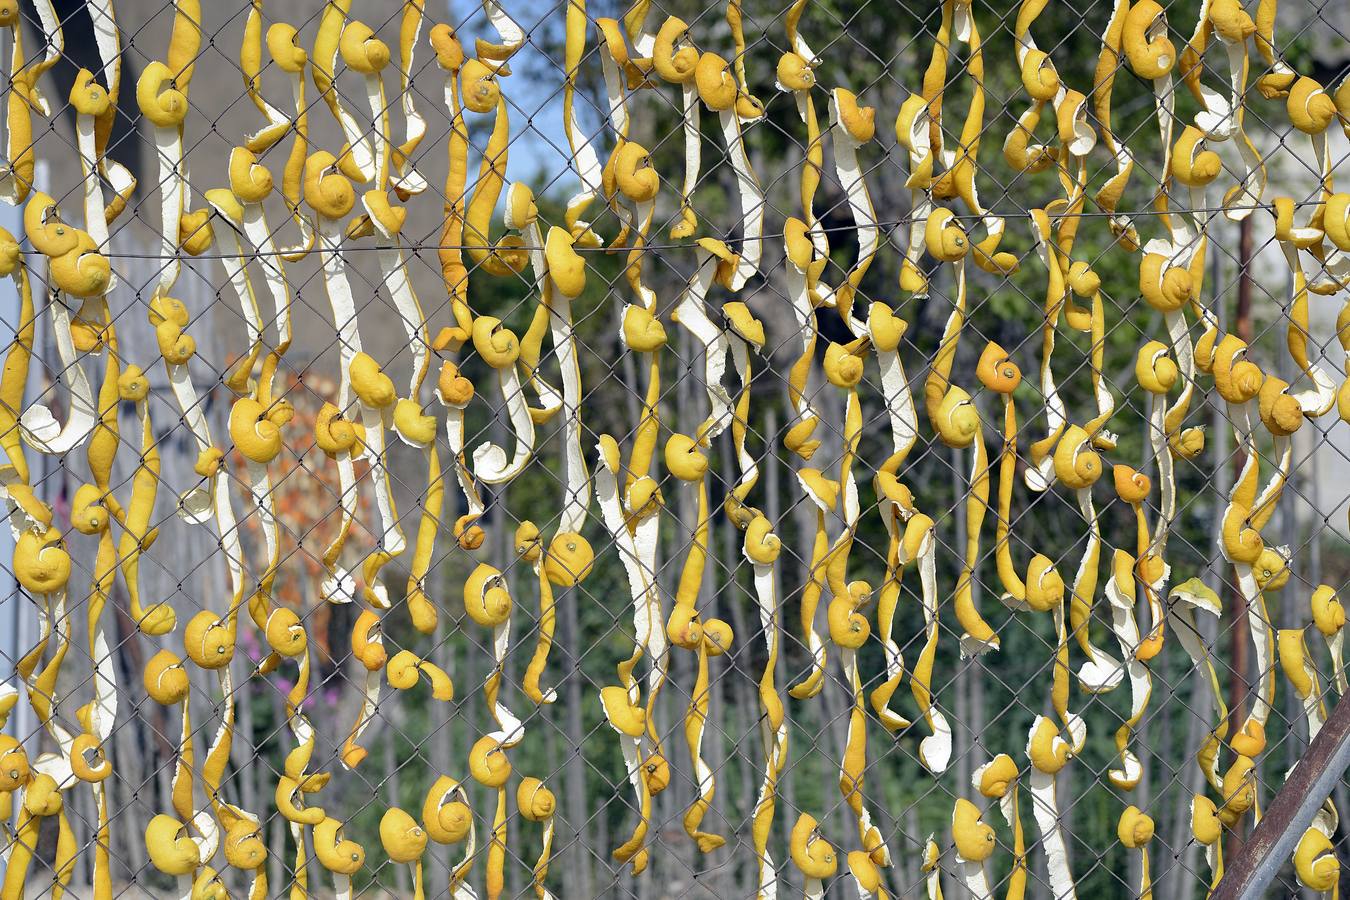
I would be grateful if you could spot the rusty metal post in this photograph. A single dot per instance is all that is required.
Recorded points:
(1290, 813)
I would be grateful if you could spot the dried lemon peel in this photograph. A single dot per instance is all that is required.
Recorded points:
(998, 373)
(330, 194)
(919, 545)
(538, 804)
(1122, 597)
(914, 132)
(1084, 282)
(584, 161)
(255, 428)
(42, 568)
(998, 780)
(94, 106)
(718, 90)
(1039, 475)
(20, 162)
(358, 155)
(1108, 196)
(895, 500)
(974, 843)
(823, 493)
(675, 59)
(813, 856)
(796, 74)
(1302, 677)
(1319, 396)
(1135, 831)
(715, 261)
(1328, 617)
(90, 751)
(557, 297)
(686, 460)
(853, 126)
(1048, 752)
(340, 856)
(1078, 466)
(137, 536)
(1208, 831)
(959, 178)
(1157, 373)
(931, 866)
(761, 549)
(745, 334)
(953, 415)
(489, 766)
(367, 643)
(283, 45)
(848, 628)
(295, 782)
(14, 379)
(1315, 862)
(499, 347)
(404, 842)
(522, 214)
(1075, 137)
(482, 94)
(162, 97)
(487, 601)
(621, 76)
(448, 819)
(622, 704)
(717, 639)
(453, 390)
(1240, 382)
(406, 669)
(412, 423)
(450, 57)
(803, 268)
(1186, 600)
(959, 426)
(375, 397)
(75, 268)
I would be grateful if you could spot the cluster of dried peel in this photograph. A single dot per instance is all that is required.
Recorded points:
(337, 198)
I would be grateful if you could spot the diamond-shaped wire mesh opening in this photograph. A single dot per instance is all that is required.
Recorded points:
(142, 449)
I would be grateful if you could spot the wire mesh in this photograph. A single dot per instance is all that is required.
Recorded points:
(580, 450)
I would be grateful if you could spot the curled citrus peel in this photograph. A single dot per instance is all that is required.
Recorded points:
(974, 842)
(813, 856)
(823, 493)
(622, 704)
(404, 841)
(686, 460)
(337, 854)
(1135, 830)
(448, 819)
(803, 269)
(1328, 617)
(538, 804)
(1188, 599)
(490, 767)
(77, 269)
(919, 545)
(895, 500)
(762, 548)
(1048, 753)
(848, 627)
(998, 780)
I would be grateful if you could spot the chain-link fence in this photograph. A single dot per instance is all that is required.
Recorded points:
(580, 450)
